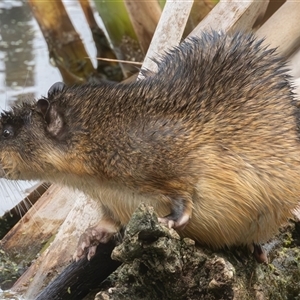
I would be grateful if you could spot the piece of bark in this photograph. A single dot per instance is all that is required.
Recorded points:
(157, 264)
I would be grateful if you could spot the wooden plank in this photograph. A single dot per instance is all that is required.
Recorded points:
(38, 225)
(230, 15)
(225, 16)
(282, 30)
(78, 215)
(168, 32)
(144, 16)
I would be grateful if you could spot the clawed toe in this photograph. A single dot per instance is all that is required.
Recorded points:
(171, 222)
(92, 237)
(260, 254)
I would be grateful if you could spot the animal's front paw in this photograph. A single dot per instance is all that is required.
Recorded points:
(181, 211)
(92, 237)
(172, 221)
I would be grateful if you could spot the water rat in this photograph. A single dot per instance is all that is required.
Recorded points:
(211, 141)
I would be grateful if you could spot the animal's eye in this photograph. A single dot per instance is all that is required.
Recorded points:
(7, 132)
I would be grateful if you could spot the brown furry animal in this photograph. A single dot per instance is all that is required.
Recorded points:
(211, 141)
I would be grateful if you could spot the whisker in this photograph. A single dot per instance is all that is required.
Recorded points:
(15, 195)
(35, 192)
(6, 96)
(16, 189)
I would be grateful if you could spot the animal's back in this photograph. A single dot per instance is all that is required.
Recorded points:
(247, 140)
(234, 97)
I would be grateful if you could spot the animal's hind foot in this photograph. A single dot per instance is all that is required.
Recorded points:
(260, 254)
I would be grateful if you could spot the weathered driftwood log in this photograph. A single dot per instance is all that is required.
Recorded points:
(58, 252)
(65, 46)
(27, 238)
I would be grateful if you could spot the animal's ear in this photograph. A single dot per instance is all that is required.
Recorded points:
(43, 106)
(55, 88)
(52, 117)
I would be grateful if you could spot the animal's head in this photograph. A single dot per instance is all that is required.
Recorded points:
(32, 138)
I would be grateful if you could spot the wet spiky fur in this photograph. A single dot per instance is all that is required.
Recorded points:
(215, 128)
